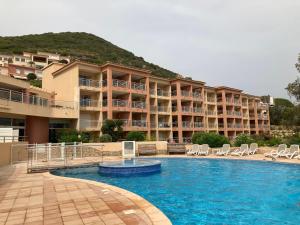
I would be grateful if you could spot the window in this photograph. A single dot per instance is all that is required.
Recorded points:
(22, 60)
(17, 59)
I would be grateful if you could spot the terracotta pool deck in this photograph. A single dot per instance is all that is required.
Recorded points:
(42, 198)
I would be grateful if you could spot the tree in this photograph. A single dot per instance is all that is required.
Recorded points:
(294, 89)
(135, 136)
(113, 128)
(31, 76)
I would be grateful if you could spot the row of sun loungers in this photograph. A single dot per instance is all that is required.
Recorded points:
(281, 151)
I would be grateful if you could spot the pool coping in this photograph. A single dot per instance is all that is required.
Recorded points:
(156, 216)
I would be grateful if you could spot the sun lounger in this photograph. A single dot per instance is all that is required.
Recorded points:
(203, 150)
(278, 152)
(253, 148)
(224, 150)
(241, 151)
(193, 150)
(290, 152)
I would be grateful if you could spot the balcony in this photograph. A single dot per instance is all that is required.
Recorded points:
(174, 109)
(175, 124)
(211, 113)
(238, 126)
(163, 125)
(138, 105)
(197, 110)
(262, 117)
(245, 104)
(211, 100)
(198, 125)
(89, 83)
(138, 86)
(139, 123)
(221, 125)
(186, 109)
(90, 125)
(230, 113)
(89, 103)
(229, 101)
(246, 126)
(163, 109)
(245, 115)
(212, 126)
(119, 103)
(163, 93)
(237, 114)
(152, 92)
(236, 102)
(120, 83)
(186, 124)
(231, 125)
(185, 93)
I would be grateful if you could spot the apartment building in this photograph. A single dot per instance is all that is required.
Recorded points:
(164, 109)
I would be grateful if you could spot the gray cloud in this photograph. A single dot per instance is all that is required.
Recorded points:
(251, 45)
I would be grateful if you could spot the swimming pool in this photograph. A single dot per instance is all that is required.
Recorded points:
(214, 191)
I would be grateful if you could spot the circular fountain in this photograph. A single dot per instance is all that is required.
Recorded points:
(130, 167)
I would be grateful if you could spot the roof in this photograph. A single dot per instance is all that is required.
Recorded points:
(126, 67)
(228, 88)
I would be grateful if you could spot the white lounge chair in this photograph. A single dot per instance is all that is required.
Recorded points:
(224, 150)
(290, 152)
(203, 150)
(241, 151)
(253, 148)
(193, 150)
(278, 152)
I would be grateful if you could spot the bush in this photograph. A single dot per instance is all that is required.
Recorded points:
(294, 140)
(243, 139)
(266, 140)
(113, 128)
(212, 139)
(105, 138)
(31, 76)
(72, 135)
(135, 136)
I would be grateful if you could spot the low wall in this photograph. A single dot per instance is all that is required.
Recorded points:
(19, 153)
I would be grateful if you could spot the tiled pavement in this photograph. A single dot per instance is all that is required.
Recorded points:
(42, 198)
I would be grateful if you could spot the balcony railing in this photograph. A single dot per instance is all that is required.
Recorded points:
(229, 100)
(186, 109)
(186, 124)
(139, 123)
(237, 113)
(163, 125)
(120, 83)
(138, 104)
(163, 109)
(89, 82)
(90, 124)
(163, 93)
(88, 103)
(236, 102)
(197, 110)
(212, 125)
(211, 99)
(119, 103)
(174, 124)
(174, 108)
(198, 125)
(244, 104)
(152, 91)
(229, 113)
(196, 95)
(138, 86)
(185, 93)
(211, 113)
(231, 125)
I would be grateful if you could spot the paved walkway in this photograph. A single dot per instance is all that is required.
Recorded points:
(42, 198)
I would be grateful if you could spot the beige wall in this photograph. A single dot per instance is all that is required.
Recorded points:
(19, 153)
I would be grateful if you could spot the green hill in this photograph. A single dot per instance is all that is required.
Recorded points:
(82, 46)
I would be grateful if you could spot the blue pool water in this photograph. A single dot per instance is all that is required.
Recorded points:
(215, 191)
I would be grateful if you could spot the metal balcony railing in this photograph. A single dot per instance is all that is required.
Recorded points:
(196, 94)
(175, 124)
(139, 123)
(138, 86)
(212, 125)
(88, 103)
(229, 100)
(236, 113)
(120, 83)
(236, 102)
(138, 104)
(186, 124)
(238, 125)
(229, 113)
(163, 93)
(197, 110)
(152, 92)
(89, 82)
(198, 124)
(211, 113)
(231, 125)
(174, 108)
(163, 125)
(244, 104)
(186, 109)
(90, 124)
(163, 109)
(185, 93)
(211, 99)
(119, 103)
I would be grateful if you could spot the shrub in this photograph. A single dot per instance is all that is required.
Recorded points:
(105, 138)
(273, 141)
(243, 139)
(135, 136)
(31, 76)
(294, 140)
(67, 135)
(113, 128)
(212, 139)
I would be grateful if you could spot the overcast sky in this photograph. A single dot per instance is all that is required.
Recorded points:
(251, 45)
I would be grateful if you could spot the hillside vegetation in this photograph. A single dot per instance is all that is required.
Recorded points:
(83, 46)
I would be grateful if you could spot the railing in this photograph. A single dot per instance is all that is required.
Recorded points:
(163, 93)
(198, 124)
(104, 83)
(221, 125)
(211, 113)
(186, 124)
(246, 126)
(231, 125)
(229, 100)
(244, 104)
(139, 123)
(212, 125)
(236, 113)
(152, 124)
(174, 108)
(174, 124)
(153, 108)
(163, 109)
(252, 126)
(163, 125)
(262, 106)
(138, 86)
(211, 99)
(197, 110)
(174, 92)
(119, 103)
(126, 123)
(236, 102)
(245, 115)
(9, 139)
(138, 104)
(186, 109)
(238, 125)
(264, 117)
(88, 103)
(120, 83)
(152, 92)
(229, 113)
(196, 94)
(251, 115)
(185, 93)
(89, 82)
